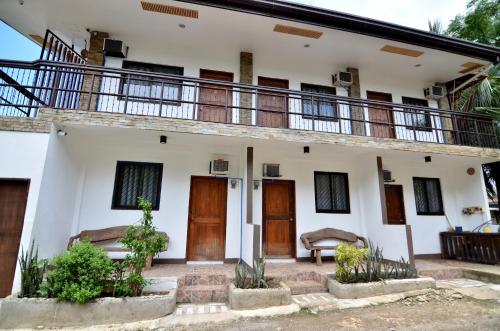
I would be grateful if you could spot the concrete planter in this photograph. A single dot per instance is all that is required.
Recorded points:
(363, 290)
(242, 299)
(33, 312)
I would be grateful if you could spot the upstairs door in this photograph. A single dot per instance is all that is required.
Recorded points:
(13, 197)
(207, 219)
(395, 204)
(381, 117)
(215, 100)
(272, 107)
(279, 218)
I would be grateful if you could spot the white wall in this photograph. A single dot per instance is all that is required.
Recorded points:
(300, 168)
(459, 190)
(58, 196)
(23, 156)
(179, 164)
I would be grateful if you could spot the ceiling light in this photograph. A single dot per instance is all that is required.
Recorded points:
(418, 65)
(182, 26)
(307, 45)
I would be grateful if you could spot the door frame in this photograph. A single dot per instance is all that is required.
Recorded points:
(293, 228)
(28, 184)
(391, 113)
(400, 186)
(188, 220)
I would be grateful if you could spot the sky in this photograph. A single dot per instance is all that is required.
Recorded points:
(412, 13)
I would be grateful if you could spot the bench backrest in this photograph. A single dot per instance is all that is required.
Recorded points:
(309, 238)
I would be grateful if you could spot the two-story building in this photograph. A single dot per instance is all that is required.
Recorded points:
(246, 123)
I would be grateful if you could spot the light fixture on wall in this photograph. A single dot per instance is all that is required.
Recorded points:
(428, 159)
(62, 133)
(233, 183)
(256, 184)
(306, 149)
(471, 171)
(163, 139)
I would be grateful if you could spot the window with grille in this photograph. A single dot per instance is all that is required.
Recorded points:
(417, 119)
(144, 88)
(322, 108)
(428, 198)
(137, 179)
(331, 192)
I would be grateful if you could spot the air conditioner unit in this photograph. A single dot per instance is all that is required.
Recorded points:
(271, 170)
(434, 92)
(219, 167)
(342, 79)
(115, 48)
(388, 176)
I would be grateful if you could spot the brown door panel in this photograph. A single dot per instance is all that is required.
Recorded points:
(395, 204)
(207, 219)
(272, 107)
(381, 117)
(215, 100)
(13, 198)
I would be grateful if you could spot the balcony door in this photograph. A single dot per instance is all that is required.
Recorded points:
(215, 100)
(272, 107)
(381, 117)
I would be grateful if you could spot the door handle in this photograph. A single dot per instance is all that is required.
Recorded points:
(291, 219)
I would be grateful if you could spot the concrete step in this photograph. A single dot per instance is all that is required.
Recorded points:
(306, 286)
(198, 294)
(445, 273)
(205, 279)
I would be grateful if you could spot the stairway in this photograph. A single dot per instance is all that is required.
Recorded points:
(202, 288)
(306, 282)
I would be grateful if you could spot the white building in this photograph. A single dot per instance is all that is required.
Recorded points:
(79, 144)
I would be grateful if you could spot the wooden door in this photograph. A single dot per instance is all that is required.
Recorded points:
(13, 197)
(215, 100)
(207, 219)
(381, 117)
(272, 107)
(395, 204)
(278, 209)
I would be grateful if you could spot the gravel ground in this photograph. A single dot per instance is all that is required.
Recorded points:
(437, 310)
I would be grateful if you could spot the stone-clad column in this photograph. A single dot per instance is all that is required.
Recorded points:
(357, 112)
(446, 122)
(246, 77)
(95, 57)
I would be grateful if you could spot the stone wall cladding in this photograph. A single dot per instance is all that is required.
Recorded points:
(47, 117)
(95, 57)
(357, 112)
(246, 77)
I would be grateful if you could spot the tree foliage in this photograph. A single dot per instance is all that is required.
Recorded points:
(480, 23)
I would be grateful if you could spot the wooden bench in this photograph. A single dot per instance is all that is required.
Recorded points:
(109, 235)
(310, 240)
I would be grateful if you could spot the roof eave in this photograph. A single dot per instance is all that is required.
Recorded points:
(356, 24)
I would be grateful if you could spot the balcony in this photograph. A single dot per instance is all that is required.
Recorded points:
(25, 87)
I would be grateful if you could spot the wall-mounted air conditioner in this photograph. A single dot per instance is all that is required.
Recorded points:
(434, 92)
(342, 79)
(271, 170)
(388, 176)
(115, 48)
(219, 167)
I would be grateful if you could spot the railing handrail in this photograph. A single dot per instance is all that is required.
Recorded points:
(242, 86)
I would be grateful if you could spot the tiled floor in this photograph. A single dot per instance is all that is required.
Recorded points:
(436, 264)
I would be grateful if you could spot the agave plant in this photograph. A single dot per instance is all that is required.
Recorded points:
(32, 272)
(240, 273)
(258, 277)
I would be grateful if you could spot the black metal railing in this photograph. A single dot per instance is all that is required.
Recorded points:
(27, 86)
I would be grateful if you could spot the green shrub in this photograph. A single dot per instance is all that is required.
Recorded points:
(32, 272)
(348, 259)
(80, 274)
(143, 242)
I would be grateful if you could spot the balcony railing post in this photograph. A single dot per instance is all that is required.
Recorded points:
(195, 100)
(312, 111)
(89, 101)
(126, 94)
(479, 142)
(160, 113)
(225, 106)
(55, 83)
